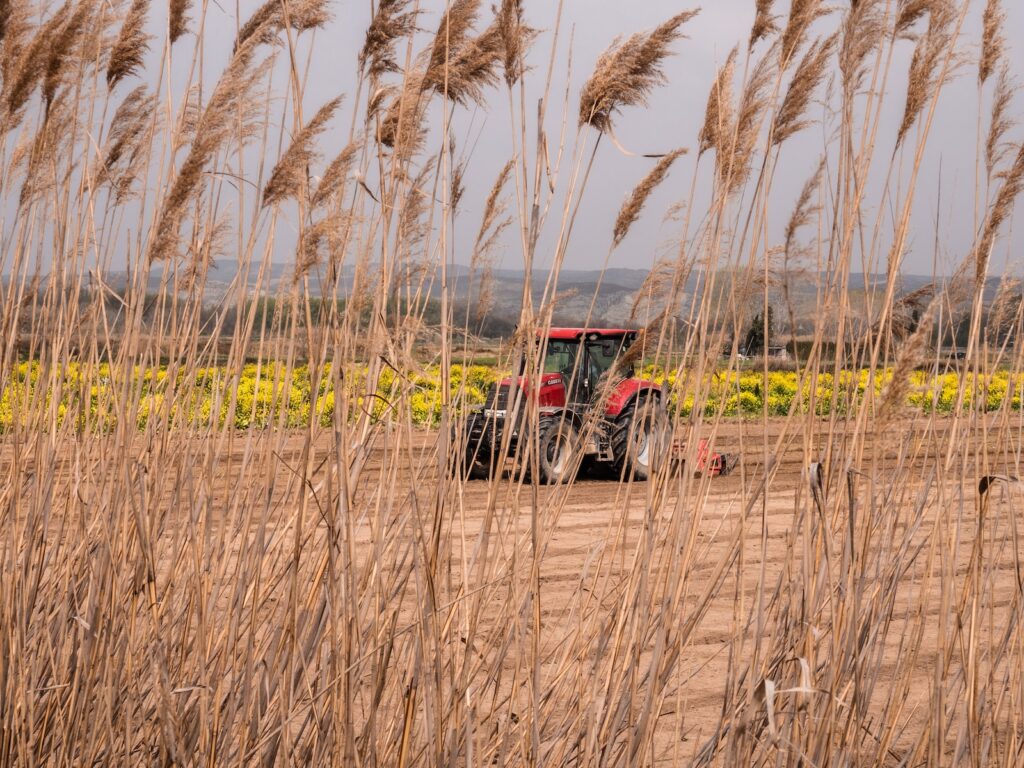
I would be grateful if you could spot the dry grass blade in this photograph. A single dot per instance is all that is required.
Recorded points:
(5, 16)
(494, 208)
(734, 165)
(462, 66)
(126, 57)
(1000, 122)
(626, 73)
(764, 22)
(992, 40)
(392, 22)
(333, 180)
(177, 19)
(291, 171)
(808, 76)
(61, 51)
(909, 13)
(232, 97)
(516, 38)
(1005, 308)
(632, 208)
(1002, 207)
(805, 207)
(26, 64)
(718, 127)
(270, 19)
(802, 13)
(924, 66)
(129, 131)
(863, 31)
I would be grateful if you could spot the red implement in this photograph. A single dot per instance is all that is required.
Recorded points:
(707, 461)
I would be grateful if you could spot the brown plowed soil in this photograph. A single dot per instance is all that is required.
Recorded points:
(920, 491)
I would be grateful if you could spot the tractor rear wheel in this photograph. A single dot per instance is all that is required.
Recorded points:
(641, 437)
(560, 450)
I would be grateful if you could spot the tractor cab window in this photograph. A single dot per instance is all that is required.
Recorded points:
(560, 357)
(603, 354)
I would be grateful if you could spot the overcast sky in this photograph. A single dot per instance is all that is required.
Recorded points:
(673, 120)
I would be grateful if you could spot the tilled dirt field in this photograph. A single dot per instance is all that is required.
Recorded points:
(753, 578)
(907, 466)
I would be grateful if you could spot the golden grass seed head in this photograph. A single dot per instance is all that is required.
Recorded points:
(516, 39)
(805, 207)
(332, 182)
(271, 19)
(1001, 121)
(392, 22)
(61, 55)
(863, 31)
(127, 55)
(177, 19)
(627, 71)
(634, 205)
(993, 41)
(809, 74)
(765, 23)
(290, 173)
(802, 13)
(719, 127)
(28, 60)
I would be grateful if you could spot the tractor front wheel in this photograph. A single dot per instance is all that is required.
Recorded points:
(559, 449)
(641, 439)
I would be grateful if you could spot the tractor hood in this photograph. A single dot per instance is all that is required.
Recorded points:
(551, 393)
(547, 380)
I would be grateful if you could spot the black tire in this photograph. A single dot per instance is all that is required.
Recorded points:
(479, 467)
(641, 437)
(558, 443)
(471, 461)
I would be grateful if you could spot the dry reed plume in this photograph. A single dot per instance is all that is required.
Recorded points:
(126, 57)
(718, 114)
(290, 174)
(238, 528)
(626, 73)
(393, 21)
(992, 40)
(631, 209)
(177, 19)
(764, 22)
(807, 77)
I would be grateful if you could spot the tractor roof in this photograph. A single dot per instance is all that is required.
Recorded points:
(575, 333)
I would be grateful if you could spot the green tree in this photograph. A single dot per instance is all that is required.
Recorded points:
(759, 334)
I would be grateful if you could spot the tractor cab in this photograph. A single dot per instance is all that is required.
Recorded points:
(584, 358)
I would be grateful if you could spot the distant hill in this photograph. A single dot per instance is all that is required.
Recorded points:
(612, 298)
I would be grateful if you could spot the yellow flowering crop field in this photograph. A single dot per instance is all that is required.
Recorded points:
(263, 395)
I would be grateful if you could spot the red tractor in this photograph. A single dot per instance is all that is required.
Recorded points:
(592, 408)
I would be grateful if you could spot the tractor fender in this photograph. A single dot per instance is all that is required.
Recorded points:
(571, 416)
(627, 392)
